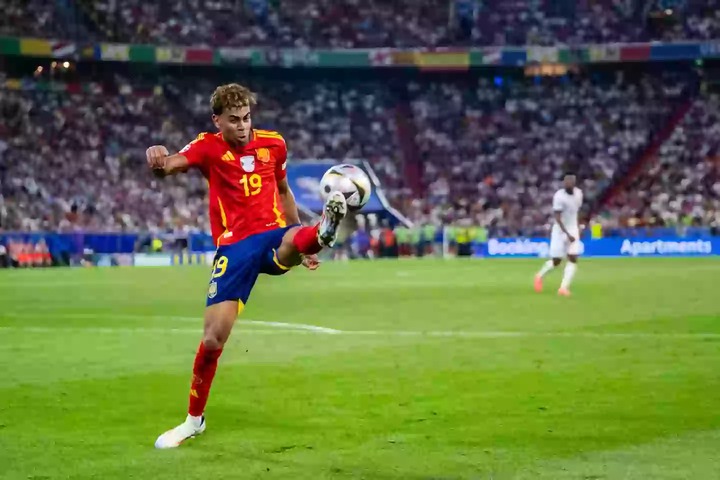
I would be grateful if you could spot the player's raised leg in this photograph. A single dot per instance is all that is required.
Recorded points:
(219, 320)
(301, 241)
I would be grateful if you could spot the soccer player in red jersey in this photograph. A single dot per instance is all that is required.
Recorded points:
(254, 222)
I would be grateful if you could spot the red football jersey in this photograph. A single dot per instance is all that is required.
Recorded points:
(243, 183)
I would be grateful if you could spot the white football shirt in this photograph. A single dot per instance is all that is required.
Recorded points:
(568, 206)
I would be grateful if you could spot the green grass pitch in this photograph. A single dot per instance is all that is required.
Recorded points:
(431, 370)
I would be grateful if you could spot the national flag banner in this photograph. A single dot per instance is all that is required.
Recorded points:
(635, 52)
(9, 46)
(115, 51)
(35, 47)
(491, 56)
(710, 49)
(235, 55)
(380, 57)
(604, 53)
(63, 49)
(573, 55)
(404, 58)
(542, 55)
(443, 60)
(170, 55)
(90, 51)
(199, 55)
(13, 84)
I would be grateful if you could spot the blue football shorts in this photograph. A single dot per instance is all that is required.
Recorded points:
(236, 267)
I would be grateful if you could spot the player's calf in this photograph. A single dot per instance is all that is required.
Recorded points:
(301, 241)
(568, 275)
(219, 320)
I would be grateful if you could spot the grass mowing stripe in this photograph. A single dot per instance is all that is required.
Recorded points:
(289, 328)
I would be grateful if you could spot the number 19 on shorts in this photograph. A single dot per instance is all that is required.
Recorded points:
(219, 267)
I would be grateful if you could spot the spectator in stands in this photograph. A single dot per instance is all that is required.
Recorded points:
(500, 146)
(489, 151)
(4, 258)
(94, 131)
(360, 244)
(371, 23)
(681, 188)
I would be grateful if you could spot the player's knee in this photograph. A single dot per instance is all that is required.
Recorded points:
(557, 261)
(572, 258)
(214, 340)
(218, 327)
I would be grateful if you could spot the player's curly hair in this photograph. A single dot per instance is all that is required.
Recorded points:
(231, 95)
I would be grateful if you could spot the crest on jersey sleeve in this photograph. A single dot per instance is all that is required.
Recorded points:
(248, 163)
(263, 155)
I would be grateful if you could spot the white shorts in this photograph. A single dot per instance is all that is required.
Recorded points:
(560, 246)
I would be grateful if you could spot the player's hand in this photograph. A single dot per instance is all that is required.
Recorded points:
(571, 239)
(311, 262)
(156, 156)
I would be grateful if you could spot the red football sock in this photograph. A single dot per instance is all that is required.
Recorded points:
(306, 240)
(203, 373)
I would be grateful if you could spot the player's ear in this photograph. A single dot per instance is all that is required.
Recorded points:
(216, 121)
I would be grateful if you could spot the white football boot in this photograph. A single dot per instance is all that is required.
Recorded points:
(191, 427)
(335, 211)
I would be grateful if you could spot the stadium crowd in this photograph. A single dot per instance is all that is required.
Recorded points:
(373, 23)
(681, 187)
(319, 120)
(76, 160)
(492, 154)
(73, 161)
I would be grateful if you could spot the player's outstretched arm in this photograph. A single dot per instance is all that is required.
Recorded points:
(164, 164)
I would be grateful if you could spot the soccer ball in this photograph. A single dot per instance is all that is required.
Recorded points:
(349, 180)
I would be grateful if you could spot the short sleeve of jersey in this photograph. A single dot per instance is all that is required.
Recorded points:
(196, 151)
(558, 204)
(281, 162)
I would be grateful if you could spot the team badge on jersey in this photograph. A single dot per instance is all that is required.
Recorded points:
(248, 163)
(212, 290)
(263, 154)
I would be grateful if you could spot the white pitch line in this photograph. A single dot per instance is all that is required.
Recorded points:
(102, 330)
(198, 320)
(524, 334)
(194, 331)
(279, 328)
(293, 326)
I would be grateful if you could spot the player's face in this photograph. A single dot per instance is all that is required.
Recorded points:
(235, 124)
(569, 182)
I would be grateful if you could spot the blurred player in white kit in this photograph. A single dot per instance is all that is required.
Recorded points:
(565, 236)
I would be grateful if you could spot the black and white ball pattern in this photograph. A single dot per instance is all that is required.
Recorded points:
(351, 181)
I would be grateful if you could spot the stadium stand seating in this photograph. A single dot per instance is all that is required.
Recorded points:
(374, 23)
(681, 186)
(488, 152)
